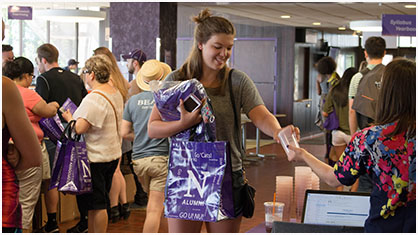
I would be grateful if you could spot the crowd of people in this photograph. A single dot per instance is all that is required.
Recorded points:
(372, 145)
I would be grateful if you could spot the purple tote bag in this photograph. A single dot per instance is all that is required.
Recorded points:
(199, 181)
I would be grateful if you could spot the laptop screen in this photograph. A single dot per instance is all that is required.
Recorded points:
(336, 208)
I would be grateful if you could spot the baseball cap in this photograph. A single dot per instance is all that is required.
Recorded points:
(136, 54)
(72, 61)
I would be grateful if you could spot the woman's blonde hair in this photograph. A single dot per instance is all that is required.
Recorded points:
(115, 75)
(100, 67)
(206, 26)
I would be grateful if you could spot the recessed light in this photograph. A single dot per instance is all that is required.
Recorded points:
(341, 28)
(316, 23)
(285, 16)
(410, 6)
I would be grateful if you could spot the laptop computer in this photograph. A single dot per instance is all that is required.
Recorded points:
(336, 208)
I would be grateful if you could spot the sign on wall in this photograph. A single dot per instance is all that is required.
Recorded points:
(401, 25)
(19, 13)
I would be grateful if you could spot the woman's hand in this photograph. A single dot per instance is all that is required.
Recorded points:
(13, 155)
(189, 119)
(300, 153)
(295, 131)
(67, 115)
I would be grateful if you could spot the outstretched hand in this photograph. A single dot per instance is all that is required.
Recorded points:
(299, 153)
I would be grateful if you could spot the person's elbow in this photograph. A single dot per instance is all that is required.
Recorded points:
(332, 181)
(127, 135)
(153, 134)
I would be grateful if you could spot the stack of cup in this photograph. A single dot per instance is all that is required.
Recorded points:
(303, 181)
(315, 181)
(284, 193)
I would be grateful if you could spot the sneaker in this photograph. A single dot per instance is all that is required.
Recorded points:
(78, 228)
(49, 229)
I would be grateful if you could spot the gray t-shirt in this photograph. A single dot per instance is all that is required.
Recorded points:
(246, 98)
(137, 110)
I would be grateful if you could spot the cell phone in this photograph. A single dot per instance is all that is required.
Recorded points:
(287, 137)
(191, 103)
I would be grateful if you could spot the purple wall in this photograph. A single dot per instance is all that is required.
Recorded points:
(134, 25)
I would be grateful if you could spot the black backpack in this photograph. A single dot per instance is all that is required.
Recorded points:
(368, 92)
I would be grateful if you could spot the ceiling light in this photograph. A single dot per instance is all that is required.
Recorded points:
(285, 16)
(70, 15)
(316, 23)
(366, 25)
(410, 6)
(341, 28)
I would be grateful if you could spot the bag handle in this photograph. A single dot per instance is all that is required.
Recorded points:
(68, 130)
(113, 107)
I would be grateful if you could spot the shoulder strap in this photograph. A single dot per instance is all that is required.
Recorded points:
(364, 71)
(113, 107)
(231, 95)
(46, 81)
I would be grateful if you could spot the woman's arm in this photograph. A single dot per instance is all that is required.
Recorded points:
(323, 170)
(157, 128)
(267, 122)
(42, 109)
(81, 125)
(126, 131)
(20, 128)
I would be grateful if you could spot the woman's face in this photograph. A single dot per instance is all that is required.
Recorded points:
(28, 79)
(217, 50)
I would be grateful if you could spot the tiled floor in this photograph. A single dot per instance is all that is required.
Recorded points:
(261, 174)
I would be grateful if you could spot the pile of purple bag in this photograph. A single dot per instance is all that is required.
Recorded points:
(167, 99)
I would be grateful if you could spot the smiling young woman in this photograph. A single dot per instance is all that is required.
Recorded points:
(207, 62)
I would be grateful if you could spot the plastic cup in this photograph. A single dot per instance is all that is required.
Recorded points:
(270, 217)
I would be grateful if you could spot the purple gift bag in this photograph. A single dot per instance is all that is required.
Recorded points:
(167, 95)
(331, 122)
(71, 169)
(52, 128)
(199, 181)
(75, 175)
(57, 166)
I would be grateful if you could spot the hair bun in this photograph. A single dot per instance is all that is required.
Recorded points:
(202, 16)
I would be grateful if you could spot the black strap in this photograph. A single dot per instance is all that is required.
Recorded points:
(231, 95)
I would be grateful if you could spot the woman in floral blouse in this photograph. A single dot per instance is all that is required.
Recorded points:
(384, 151)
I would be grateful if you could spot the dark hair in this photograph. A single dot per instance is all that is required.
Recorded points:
(49, 52)
(375, 47)
(206, 26)
(12, 70)
(397, 97)
(326, 65)
(340, 91)
(6, 47)
(25, 65)
(100, 67)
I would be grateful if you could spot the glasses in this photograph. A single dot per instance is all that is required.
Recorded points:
(86, 71)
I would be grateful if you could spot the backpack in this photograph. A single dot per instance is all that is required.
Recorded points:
(368, 92)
